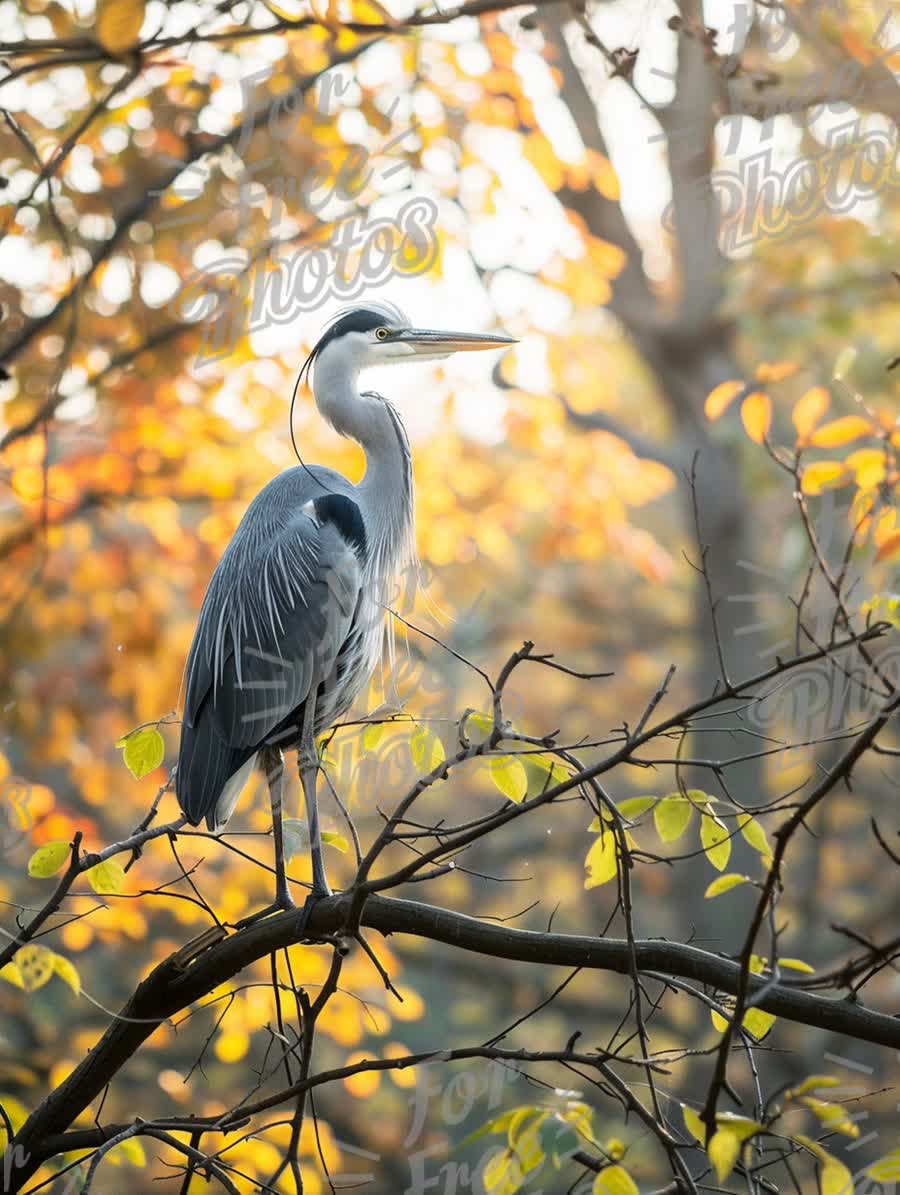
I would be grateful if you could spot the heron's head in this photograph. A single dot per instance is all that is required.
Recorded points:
(380, 334)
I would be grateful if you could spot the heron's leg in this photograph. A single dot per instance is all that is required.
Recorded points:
(273, 763)
(308, 766)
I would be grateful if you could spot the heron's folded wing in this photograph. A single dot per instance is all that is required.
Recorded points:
(273, 622)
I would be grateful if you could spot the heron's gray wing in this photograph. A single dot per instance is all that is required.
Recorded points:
(276, 619)
(277, 612)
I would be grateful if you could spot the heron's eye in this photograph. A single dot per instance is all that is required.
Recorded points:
(381, 333)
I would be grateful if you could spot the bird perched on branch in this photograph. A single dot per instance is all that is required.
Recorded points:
(293, 622)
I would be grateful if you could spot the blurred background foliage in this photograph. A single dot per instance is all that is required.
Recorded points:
(552, 501)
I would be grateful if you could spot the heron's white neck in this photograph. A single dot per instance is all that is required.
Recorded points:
(386, 491)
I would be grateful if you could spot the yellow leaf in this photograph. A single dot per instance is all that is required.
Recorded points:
(12, 975)
(510, 777)
(614, 1180)
(107, 878)
(886, 1169)
(758, 1023)
(129, 1150)
(719, 1022)
(232, 1045)
(633, 807)
(477, 726)
(716, 842)
(338, 841)
(723, 1150)
(427, 750)
(372, 736)
(756, 415)
(615, 1149)
(118, 24)
(602, 862)
(754, 834)
(841, 431)
(35, 965)
(797, 964)
(869, 465)
(776, 371)
(813, 1146)
(835, 1178)
(725, 884)
(832, 1116)
(813, 1083)
(694, 1124)
(809, 410)
(720, 399)
(821, 476)
(890, 548)
(672, 817)
(605, 178)
(67, 972)
(144, 750)
(47, 860)
(15, 1110)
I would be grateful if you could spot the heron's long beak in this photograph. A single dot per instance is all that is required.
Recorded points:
(426, 342)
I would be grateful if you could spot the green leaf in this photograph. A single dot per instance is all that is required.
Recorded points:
(614, 1180)
(68, 973)
(295, 835)
(725, 884)
(716, 842)
(107, 878)
(510, 777)
(47, 860)
(338, 841)
(886, 1169)
(427, 750)
(672, 816)
(557, 1140)
(633, 807)
(144, 751)
(602, 862)
(35, 964)
(694, 1124)
(754, 834)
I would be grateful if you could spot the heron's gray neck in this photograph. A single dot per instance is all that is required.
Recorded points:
(386, 491)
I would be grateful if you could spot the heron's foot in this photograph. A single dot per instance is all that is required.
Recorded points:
(306, 911)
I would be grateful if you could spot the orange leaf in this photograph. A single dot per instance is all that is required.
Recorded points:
(809, 410)
(776, 371)
(890, 547)
(605, 178)
(821, 476)
(841, 431)
(720, 399)
(756, 415)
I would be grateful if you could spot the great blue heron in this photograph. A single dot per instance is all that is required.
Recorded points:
(293, 622)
